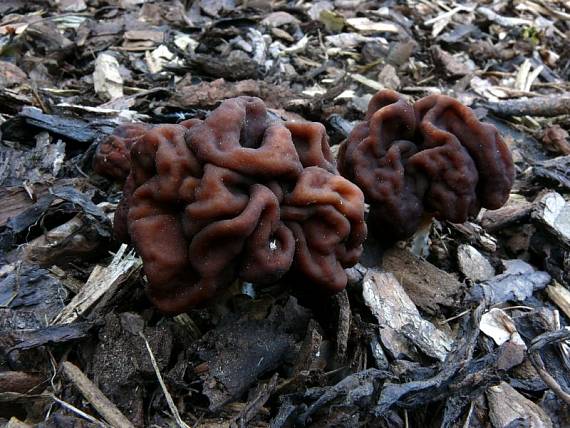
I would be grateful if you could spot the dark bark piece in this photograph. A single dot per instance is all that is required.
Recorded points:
(59, 420)
(543, 350)
(433, 157)
(46, 39)
(14, 342)
(555, 170)
(355, 393)
(251, 347)
(15, 200)
(261, 395)
(11, 75)
(31, 119)
(209, 94)
(461, 375)
(40, 164)
(516, 284)
(235, 66)
(514, 212)
(99, 226)
(540, 342)
(22, 382)
(29, 289)
(13, 6)
(450, 64)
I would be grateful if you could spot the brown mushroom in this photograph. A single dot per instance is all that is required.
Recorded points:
(433, 157)
(112, 156)
(238, 195)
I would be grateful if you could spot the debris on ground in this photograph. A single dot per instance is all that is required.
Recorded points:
(467, 325)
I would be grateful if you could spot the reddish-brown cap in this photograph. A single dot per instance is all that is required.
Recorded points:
(433, 156)
(238, 195)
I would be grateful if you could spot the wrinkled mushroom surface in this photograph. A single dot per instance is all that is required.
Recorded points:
(112, 157)
(432, 157)
(238, 195)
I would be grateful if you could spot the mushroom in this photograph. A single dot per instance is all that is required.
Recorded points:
(238, 195)
(112, 157)
(433, 158)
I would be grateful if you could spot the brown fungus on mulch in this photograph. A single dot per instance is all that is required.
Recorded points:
(238, 195)
(430, 158)
(112, 157)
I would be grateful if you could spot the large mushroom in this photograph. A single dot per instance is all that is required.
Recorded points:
(238, 195)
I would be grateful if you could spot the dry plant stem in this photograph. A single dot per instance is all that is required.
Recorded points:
(167, 395)
(550, 106)
(75, 410)
(533, 351)
(102, 404)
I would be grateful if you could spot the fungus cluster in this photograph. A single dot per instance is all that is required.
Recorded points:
(242, 195)
(237, 195)
(430, 158)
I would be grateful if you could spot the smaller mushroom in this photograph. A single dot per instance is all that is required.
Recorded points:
(433, 158)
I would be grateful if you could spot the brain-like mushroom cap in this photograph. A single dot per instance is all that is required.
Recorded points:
(433, 157)
(238, 195)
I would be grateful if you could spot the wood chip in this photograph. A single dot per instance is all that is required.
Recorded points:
(102, 280)
(473, 264)
(398, 317)
(153, 36)
(507, 407)
(107, 78)
(561, 296)
(365, 25)
(427, 286)
(554, 211)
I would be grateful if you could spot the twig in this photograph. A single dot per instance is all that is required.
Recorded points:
(536, 345)
(77, 411)
(102, 404)
(459, 315)
(504, 21)
(549, 106)
(167, 395)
